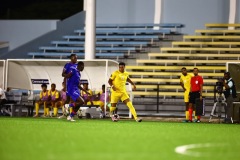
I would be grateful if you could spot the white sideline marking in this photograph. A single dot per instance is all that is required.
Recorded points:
(186, 149)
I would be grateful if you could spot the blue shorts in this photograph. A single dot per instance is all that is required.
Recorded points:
(74, 94)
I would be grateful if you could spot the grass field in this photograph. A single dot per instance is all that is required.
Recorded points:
(53, 139)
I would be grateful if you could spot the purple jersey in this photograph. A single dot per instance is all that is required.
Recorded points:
(67, 69)
(73, 83)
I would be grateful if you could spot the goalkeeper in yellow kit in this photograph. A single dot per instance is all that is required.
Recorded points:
(117, 81)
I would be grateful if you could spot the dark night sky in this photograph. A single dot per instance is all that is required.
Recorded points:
(39, 9)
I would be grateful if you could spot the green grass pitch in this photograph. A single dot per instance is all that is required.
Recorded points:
(102, 139)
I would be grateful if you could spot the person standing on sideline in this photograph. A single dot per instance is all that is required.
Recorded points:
(229, 93)
(185, 80)
(117, 81)
(196, 92)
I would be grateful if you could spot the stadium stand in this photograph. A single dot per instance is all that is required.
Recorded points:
(222, 25)
(209, 52)
(113, 41)
(211, 38)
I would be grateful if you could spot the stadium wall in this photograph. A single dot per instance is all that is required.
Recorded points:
(193, 13)
(64, 27)
(19, 32)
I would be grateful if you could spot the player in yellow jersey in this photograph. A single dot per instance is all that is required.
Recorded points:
(52, 104)
(117, 81)
(87, 94)
(185, 80)
(43, 98)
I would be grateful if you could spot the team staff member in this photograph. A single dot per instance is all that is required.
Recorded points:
(196, 92)
(229, 93)
(185, 80)
(117, 81)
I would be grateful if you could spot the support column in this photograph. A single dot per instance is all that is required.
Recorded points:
(90, 29)
(158, 12)
(232, 12)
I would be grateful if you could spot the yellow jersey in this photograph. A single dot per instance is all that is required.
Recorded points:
(119, 80)
(186, 80)
(54, 94)
(44, 95)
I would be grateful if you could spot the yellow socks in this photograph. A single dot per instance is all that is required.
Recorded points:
(195, 117)
(55, 111)
(37, 108)
(187, 115)
(132, 109)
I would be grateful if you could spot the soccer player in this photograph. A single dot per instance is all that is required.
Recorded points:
(44, 97)
(52, 104)
(87, 97)
(196, 92)
(100, 100)
(66, 71)
(73, 89)
(185, 80)
(63, 100)
(117, 81)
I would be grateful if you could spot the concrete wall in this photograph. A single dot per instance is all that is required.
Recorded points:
(64, 27)
(19, 32)
(125, 11)
(193, 13)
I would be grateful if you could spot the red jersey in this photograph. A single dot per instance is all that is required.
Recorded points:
(196, 81)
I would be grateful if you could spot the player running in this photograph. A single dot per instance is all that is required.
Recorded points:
(73, 86)
(117, 81)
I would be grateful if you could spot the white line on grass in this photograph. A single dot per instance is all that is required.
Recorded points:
(186, 149)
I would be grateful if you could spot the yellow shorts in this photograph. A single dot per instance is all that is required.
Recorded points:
(186, 96)
(98, 103)
(116, 96)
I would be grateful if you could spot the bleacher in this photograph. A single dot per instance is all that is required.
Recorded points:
(208, 51)
(113, 41)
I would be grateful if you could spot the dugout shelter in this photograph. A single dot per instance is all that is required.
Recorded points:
(29, 74)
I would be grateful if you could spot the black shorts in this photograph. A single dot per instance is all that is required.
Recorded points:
(193, 97)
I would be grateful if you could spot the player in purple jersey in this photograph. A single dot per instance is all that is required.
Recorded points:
(66, 72)
(73, 89)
